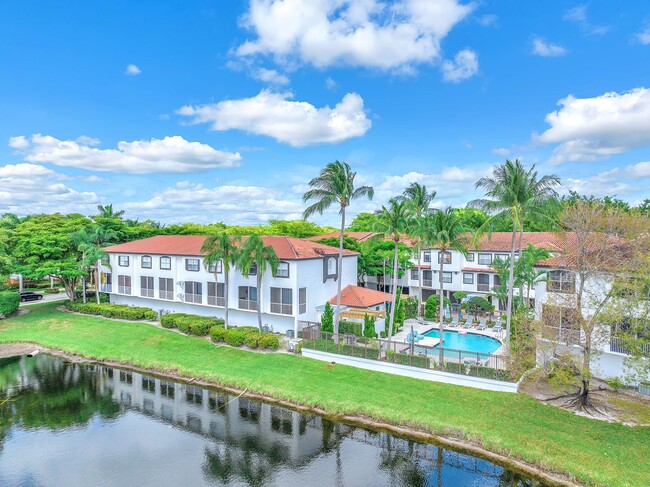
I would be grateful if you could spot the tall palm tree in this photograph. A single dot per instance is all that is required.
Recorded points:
(393, 223)
(221, 247)
(444, 230)
(106, 211)
(255, 252)
(335, 185)
(99, 236)
(420, 200)
(81, 239)
(514, 193)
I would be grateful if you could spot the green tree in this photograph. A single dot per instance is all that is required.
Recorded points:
(107, 211)
(369, 326)
(335, 186)
(514, 194)
(327, 318)
(432, 307)
(222, 248)
(255, 252)
(363, 222)
(525, 271)
(443, 229)
(393, 223)
(419, 198)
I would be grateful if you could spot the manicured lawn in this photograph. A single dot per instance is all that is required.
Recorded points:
(593, 451)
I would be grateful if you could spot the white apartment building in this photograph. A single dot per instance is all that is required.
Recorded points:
(166, 273)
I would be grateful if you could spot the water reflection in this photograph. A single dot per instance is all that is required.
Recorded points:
(115, 427)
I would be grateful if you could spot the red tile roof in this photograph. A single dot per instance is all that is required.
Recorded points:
(478, 269)
(502, 241)
(360, 236)
(286, 248)
(361, 297)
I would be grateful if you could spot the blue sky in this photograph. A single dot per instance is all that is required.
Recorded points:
(223, 110)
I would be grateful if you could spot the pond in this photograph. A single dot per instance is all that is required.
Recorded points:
(68, 424)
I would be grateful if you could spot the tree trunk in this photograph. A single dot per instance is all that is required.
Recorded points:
(511, 280)
(83, 287)
(392, 306)
(419, 276)
(259, 297)
(441, 356)
(69, 285)
(97, 284)
(521, 240)
(339, 266)
(225, 295)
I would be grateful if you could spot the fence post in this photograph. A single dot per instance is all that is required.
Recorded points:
(460, 361)
(326, 340)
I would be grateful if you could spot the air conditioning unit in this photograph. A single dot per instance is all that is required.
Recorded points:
(291, 346)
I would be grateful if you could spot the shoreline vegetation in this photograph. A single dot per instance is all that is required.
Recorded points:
(513, 430)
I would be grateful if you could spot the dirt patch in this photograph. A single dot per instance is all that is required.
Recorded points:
(408, 431)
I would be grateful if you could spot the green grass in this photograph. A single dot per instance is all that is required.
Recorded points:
(517, 425)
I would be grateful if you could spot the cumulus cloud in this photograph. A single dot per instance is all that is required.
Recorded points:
(270, 76)
(638, 170)
(277, 115)
(546, 49)
(19, 183)
(168, 155)
(464, 66)
(643, 37)
(132, 70)
(501, 151)
(366, 33)
(488, 20)
(590, 129)
(578, 15)
(188, 201)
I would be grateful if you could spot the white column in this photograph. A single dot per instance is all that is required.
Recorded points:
(20, 282)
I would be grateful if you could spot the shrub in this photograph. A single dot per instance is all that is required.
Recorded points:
(270, 341)
(408, 359)
(369, 327)
(410, 308)
(234, 337)
(9, 303)
(200, 328)
(218, 333)
(192, 324)
(431, 307)
(478, 305)
(252, 339)
(120, 311)
(327, 320)
(615, 383)
(53, 290)
(351, 327)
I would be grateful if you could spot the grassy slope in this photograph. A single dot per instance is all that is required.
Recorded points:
(593, 451)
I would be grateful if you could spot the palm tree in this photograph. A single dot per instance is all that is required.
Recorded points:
(444, 230)
(89, 242)
(393, 223)
(106, 211)
(420, 200)
(223, 248)
(514, 193)
(525, 268)
(255, 252)
(81, 238)
(335, 185)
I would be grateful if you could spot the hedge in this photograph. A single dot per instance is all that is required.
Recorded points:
(327, 345)
(479, 371)
(408, 359)
(351, 327)
(9, 303)
(218, 334)
(245, 335)
(192, 324)
(120, 311)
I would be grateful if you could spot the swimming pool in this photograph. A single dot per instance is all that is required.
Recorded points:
(470, 342)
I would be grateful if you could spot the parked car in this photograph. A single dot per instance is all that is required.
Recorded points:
(30, 296)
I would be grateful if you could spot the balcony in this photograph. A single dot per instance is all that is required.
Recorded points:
(616, 345)
(248, 304)
(484, 288)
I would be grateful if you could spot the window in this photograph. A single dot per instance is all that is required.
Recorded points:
(485, 259)
(283, 270)
(107, 283)
(502, 257)
(497, 281)
(560, 323)
(281, 300)
(124, 284)
(216, 294)
(216, 267)
(148, 384)
(446, 256)
(193, 292)
(468, 278)
(427, 277)
(146, 262)
(253, 269)
(126, 377)
(193, 394)
(248, 297)
(470, 257)
(146, 286)
(165, 288)
(561, 282)
(165, 263)
(427, 256)
(446, 277)
(123, 260)
(331, 266)
(167, 389)
(414, 274)
(192, 265)
(302, 300)
(483, 282)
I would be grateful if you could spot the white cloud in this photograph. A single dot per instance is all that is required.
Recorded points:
(488, 20)
(168, 155)
(501, 151)
(230, 203)
(638, 170)
(546, 49)
(270, 76)
(330, 84)
(86, 140)
(366, 33)
(276, 115)
(20, 183)
(643, 37)
(132, 70)
(589, 129)
(464, 66)
(578, 14)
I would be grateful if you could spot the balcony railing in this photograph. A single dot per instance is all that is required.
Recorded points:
(217, 301)
(107, 288)
(284, 309)
(484, 288)
(562, 335)
(124, 289)
(616, 345)
(193, 298)
(248, 304)
(168, 295)
(427, 283)
(146, 292)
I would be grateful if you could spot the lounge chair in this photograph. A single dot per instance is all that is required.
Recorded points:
(454, 322)
(469, 323)
(482, 324)
(498, 328)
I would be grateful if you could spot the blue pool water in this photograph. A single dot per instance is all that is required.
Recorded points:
(470, 342)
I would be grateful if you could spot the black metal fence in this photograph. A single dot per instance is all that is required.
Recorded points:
(474, 364)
